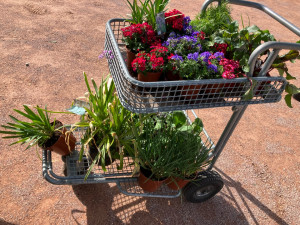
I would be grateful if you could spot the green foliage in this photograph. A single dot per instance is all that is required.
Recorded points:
(107, 121)
(214, 18)
(137, 12)
(168, 146)
(151, 9)
(241, 43)
(37, 131)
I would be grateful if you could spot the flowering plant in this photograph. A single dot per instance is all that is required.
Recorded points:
(151, 62)
(139, 37)
(182, 45)
(205, 65)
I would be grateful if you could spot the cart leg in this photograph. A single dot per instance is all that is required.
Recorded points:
(238, 112)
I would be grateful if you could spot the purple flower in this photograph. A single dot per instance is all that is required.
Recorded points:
(193, 56)
(212, 68)
(173, 34)
(177, 57)
(199, 47)
(219, 55)
(109, 54)
(189, 39)
(205, 56)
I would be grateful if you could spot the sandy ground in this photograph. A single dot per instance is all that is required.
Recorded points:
(59, 39)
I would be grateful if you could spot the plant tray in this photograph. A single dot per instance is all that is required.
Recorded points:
(163, 96)
(71, 171)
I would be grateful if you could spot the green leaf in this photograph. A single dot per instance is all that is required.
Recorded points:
(248, 95)
(246, 69)
(289, 76)
(179, 119)
(281, 71)
(288, 100)
(253, 29)
(292, 89)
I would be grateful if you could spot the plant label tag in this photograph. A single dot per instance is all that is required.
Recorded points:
(161, 23)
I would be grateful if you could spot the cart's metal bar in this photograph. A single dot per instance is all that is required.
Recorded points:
(261, 7)
(231, 125)
(152, 195)
(266, 46)
(266, 66)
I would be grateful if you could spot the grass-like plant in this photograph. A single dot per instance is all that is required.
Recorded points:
(151, 10)
(170, 147)
(37, 130)
(108, 123)
(137, 12)
(213, 19)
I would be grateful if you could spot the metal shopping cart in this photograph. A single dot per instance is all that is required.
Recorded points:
(152, 97)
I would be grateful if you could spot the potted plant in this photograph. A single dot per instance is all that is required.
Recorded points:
(150, 65)
(138, 37)
(108, 124)
(160, 146)
(39, 130)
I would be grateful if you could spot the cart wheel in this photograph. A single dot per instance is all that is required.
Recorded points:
(205, 187)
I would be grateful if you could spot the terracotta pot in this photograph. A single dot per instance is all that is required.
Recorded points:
(191, 91)
(176, 183)
(149, 76)
(227, 89)
(130, 58)
(171, 76)
(60, 146)
(147, 184)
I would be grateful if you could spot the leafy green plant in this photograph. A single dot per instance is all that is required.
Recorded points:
(214, 18)
(152, 9)
(137, 12)
(241, 43)
(38, 130)
(108, 122)
(168, 146)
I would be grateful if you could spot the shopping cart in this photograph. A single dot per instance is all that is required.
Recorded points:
(152, 97)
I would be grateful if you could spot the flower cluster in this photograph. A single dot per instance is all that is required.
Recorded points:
(182, 45)
(139, 37)
(230, 67)
(151, 62)
(175, 19)
(221, 47)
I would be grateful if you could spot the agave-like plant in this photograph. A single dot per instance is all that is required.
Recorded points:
(38, 131)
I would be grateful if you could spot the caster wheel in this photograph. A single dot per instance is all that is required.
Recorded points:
(207, 185)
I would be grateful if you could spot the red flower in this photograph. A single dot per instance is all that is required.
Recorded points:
(174, 18)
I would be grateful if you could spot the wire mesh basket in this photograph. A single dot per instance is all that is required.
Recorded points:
(163, 96)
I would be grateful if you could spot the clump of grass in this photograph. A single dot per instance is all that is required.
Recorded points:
(214, 18)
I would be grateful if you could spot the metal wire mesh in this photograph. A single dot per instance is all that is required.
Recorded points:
(78, 169)
(132, 187)
(147, 97)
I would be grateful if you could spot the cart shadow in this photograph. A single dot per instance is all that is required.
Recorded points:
(243, 195)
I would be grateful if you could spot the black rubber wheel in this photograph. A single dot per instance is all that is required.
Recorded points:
(207, 185)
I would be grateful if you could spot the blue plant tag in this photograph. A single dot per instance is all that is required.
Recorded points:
(161, 23)
(77, 110)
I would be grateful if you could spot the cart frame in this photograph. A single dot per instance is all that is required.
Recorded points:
(118, 69)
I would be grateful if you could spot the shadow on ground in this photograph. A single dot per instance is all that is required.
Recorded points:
(106, 205)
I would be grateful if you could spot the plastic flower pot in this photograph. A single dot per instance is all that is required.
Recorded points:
(149, 76)
(63, 142)
(146, 183)
(130, 58)
(176, 183)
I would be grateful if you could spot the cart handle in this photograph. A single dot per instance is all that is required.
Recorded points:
(276, 46)
(261, 7)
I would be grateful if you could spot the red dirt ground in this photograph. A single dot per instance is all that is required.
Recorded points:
(59, 39)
